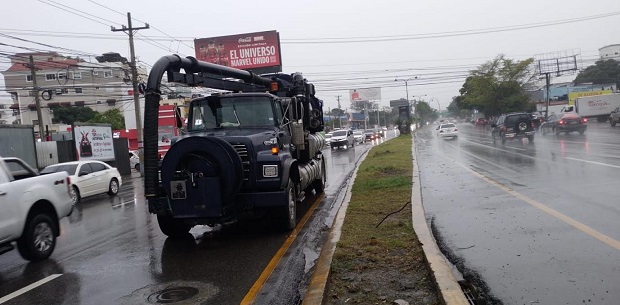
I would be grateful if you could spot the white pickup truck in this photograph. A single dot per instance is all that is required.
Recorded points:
(31, 206)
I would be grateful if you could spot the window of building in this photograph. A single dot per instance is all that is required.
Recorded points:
(62, 75)
(50, 76)
(107, 74)
(78, 90)
(30, 94)
(35, 122)
(95, 72)
(76, 75)
(29, 78)
(2, 106)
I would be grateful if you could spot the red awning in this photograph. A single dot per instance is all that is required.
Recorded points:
(14, 106)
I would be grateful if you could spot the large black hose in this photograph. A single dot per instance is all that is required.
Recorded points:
(174, 63)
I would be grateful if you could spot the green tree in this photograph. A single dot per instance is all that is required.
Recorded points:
(425, 112)
(498, 86)
(69, 115)
(113, 117)
(602, 72)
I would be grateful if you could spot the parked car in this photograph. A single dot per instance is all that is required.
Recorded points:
(88, 178)
(134, 160)
(564, 122)
(342, 138)
(447, 130)
(513, 126)
(31, 206)
(481, 122)
(359, 136)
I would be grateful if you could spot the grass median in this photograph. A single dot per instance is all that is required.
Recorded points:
(378, 259)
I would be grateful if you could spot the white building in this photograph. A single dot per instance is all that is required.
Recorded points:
(66, 82)
(611, 51)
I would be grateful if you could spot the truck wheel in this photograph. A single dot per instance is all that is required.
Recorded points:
(113, 188)
(173, 228)
(319, 184)
(38, 240)
(287, 215)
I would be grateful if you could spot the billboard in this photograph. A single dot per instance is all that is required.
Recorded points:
(93, 141)
(574, 95)
(259, 52)
(365, 94)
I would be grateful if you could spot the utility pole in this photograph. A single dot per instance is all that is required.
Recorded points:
(339, 121)
(37, 100)
(134, 81)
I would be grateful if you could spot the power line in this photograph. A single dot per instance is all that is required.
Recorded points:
(336, 40)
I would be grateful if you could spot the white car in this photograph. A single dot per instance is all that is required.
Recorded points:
(342, 138)
(88, 178)
(328, 136)
(447, 130)
(359, 136)
(134, 160)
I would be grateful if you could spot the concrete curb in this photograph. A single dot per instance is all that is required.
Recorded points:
(448, 288)
(447, 285)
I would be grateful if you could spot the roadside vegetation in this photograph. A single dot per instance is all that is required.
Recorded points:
(379, 259)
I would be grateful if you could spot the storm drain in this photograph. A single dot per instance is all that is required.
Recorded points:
(176, 292)
(470, 293)
(172, 295)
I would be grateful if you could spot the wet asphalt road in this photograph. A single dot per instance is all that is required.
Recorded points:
(111, 251)
(537, 223)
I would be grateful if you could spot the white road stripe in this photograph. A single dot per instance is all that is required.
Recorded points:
(28, 288)
(593, 162)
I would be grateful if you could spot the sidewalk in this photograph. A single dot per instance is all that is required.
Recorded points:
(447, 286)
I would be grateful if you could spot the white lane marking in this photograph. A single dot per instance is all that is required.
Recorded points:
(123, 203)
(28, 288)
(593, 162)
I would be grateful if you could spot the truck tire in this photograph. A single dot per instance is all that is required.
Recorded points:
(286, 216)
(319, 184)
(39, 239)
(113, 188)
(173, 228)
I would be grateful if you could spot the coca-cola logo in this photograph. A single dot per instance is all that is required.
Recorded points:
(247, 39)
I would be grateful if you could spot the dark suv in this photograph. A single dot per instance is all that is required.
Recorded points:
(513, 126)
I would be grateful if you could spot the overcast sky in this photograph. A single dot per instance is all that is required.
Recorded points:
(440, 64)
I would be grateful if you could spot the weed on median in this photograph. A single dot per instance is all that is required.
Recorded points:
(378, 265)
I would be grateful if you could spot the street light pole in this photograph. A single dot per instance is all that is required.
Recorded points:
(406, 86)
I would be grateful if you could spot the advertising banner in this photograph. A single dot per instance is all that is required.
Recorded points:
(365, 94)
(251, 51)
(574, 95)
(94, 142)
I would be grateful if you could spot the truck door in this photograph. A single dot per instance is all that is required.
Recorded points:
(9, 209)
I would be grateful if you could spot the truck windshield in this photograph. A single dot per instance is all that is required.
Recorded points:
(250, 111)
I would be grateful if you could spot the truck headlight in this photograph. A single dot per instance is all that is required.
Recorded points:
(270, 171)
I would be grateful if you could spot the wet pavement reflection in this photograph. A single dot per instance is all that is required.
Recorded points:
(111, 251)
(532, 222)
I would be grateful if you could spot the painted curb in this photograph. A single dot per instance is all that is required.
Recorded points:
(318, 282)
(448, 288)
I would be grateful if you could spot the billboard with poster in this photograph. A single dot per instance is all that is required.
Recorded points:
(258, 52)
(365, 94)
(93, 141)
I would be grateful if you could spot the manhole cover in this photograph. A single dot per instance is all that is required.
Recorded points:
(175, 292)
(172, 295)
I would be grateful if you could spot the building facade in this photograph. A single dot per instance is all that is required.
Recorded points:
(610, 52)
(66, 82)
